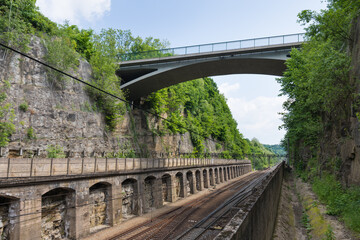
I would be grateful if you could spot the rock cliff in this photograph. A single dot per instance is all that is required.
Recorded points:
(66, 116)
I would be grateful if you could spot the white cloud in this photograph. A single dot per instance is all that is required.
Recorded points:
(226, 87)
(74, 10)
(258, 117)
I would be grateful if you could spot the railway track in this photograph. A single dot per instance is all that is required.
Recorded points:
(163, 226)
(199, 229)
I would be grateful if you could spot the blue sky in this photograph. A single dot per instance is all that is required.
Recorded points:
(253, 99)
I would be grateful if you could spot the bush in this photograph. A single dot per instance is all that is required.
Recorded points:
(7, 116)
(62, 56)
(31, 133)
(24, 107)
(55, 151)
(341, 202)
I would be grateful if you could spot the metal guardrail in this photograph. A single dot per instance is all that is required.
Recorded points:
(215, 47)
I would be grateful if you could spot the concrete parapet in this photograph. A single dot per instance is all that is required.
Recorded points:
(45, 167)
(257, 220)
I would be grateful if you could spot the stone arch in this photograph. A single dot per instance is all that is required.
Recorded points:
(179, 185)
(225, 174)
(216, 176)
(100, 199)
(130, 203)
(205, 179)
(9, 217)
(149, 193)
(190, 183)
(58, 214)
(198, 180)
(211, 174)
(166, 187)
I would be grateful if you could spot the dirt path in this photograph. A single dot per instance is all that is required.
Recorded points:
(323, 225)
(301, 216)
(288, 225)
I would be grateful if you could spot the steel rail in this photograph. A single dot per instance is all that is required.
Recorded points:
(198, 229)
(191, 206)
(169, 231)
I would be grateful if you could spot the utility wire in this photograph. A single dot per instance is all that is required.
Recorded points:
(105, 92)
(184, 178)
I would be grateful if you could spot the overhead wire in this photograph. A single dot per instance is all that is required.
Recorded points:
(196, 177)
(105, 92)
(158, 191)
(163, 177)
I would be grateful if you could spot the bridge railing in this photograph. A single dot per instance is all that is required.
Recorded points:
(215, 47)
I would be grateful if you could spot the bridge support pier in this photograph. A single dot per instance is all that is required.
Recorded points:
(116, 203)
(30, 219)
(173, 189)
(81, 214)
(158, 201)
(201, 184)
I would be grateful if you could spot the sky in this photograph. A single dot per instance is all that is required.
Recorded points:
(253, 99)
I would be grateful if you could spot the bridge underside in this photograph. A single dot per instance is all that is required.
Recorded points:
(142, 78)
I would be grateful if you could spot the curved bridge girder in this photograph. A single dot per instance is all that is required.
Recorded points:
(142, 77)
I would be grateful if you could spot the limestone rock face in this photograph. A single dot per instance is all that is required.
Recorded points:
(4, 222)
(128, 204)
(64, 116)
(53, 221)
(341, 142)
(98, 200)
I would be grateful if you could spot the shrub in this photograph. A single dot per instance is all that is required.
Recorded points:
(23, 106)
(7, 116)
(55, 151)
(31, 133)
(341, 202)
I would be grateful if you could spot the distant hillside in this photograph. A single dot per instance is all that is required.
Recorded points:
(276, 148)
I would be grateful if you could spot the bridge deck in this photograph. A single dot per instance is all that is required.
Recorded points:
(168, 59)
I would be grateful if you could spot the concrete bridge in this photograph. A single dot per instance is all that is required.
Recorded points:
(73, 197)
(146, 72)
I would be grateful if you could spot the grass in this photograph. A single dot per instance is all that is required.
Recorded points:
(341, 202)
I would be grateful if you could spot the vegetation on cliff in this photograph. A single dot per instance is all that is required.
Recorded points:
(276, 148)
(6, 115)
(195, 106)
(322, 97)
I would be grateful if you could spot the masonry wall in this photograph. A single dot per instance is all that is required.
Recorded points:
(71, 207)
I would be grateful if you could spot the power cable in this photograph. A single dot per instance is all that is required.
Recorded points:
(105, 92)
(114, 197)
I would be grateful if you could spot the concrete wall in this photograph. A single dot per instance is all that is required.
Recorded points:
(257, 220)
(30, 193)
